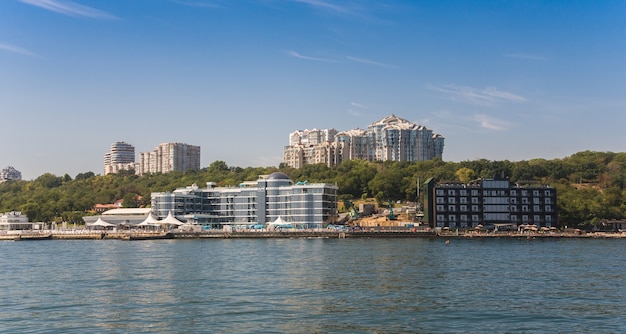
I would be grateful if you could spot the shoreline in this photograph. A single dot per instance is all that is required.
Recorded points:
(307, 234)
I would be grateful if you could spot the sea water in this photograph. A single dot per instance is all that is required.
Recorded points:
(313, 286)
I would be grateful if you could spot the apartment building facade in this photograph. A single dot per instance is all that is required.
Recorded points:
(391, 138)
(490, 203)
(121, 156)
(168, 157)
(302, 204)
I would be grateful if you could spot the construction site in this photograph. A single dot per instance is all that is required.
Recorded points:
(367, 213)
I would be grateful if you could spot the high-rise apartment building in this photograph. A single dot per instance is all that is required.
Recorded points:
(391, 138)
(168, 157)
(120, 157)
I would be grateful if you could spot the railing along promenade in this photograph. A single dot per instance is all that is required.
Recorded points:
(137, 234)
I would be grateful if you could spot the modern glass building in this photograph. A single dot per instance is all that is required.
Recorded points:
(252, 203)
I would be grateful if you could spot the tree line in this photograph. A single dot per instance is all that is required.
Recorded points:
(590, 185)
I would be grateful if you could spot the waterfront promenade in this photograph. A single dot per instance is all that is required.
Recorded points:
(84, 234)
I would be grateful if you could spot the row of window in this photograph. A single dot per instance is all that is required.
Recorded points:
(490, 192)
(493, 200)
(492, 208)
(493, 217)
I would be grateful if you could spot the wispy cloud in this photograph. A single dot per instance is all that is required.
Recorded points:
(17, 49)
(485, 96)
(297, 55)
(70, 8)
(492, 123)
(196, 3)
(353, 110)
(370, 62)
(325, 5)
(525, 56)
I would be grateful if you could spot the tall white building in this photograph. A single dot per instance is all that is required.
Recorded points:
(169, 157)
(391, 138)
(120, 157)
(10, 174)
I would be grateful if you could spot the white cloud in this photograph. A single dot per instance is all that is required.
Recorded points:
(297, 55)
(358, 105)
(485, 96)
(70, 8)
(16, 49)
(197, 3)
(325, 5)
(491, 123)
(370, 62)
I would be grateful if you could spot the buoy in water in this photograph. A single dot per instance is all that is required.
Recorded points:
(447, 242)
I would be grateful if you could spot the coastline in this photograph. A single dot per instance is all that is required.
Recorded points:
(306, 234)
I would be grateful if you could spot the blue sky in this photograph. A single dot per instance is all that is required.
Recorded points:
(512, 80)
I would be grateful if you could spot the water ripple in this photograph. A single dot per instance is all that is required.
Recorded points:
(313, 286)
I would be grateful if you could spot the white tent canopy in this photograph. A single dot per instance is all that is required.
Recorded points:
(102, 223)
(149, 221)
(279, 222)
(170, 220)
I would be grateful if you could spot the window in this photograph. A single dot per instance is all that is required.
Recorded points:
(547, 193)
(535, 200)
(441, 208)
(451, 208)
(474, 207)
(548, 201)
(452, 200)
(463, 192)
(441, 200)
(451, 192)
(548, 208)
(474, 192)
(463, 200)
(536, 208)
(513, 200)
(474, 200)
(440, 192)
(513, 192)
(463, 208)
(535, 192)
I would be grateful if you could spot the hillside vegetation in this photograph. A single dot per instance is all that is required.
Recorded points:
(590, 185)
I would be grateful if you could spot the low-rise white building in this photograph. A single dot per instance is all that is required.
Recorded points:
(14, 220)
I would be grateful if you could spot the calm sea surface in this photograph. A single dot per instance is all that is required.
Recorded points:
(313, 286)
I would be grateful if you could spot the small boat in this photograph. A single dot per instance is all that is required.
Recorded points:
(29, 237)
